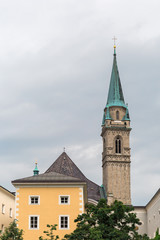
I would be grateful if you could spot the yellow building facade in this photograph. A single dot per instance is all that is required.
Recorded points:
(57, 196)
(49, 198)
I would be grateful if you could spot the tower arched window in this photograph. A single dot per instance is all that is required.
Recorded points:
(118, 145)
(117, 115)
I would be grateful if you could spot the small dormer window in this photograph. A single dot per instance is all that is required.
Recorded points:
(117, 115)
(118, 145)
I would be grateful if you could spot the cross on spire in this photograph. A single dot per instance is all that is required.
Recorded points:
(114, 39)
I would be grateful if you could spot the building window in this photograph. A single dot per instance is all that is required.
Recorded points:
(34, 200)
(64, 222)
(117, 115)
(3, 209)
(33, 222)
(118, 145)
(10, 212)
(2, 228)
(64, 199)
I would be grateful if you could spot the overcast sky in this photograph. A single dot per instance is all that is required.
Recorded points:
(55, 65)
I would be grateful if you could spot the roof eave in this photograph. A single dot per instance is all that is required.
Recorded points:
(48, 183)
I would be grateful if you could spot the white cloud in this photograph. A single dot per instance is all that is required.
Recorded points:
(55, 66)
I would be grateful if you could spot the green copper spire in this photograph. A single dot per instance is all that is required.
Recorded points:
(108, 114)
(115, 94)
(103, 120)
(126, 117)
(36, 171)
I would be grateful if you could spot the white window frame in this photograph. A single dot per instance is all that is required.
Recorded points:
(32, 196)
(60, 196)
(30, 222)
(3, 208)
(10, 212)
(60, 222)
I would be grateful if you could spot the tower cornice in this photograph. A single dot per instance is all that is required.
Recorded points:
(115, 158)
(114, 128)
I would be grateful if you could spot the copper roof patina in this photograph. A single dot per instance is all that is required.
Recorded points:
(115, 94)
(36, 171)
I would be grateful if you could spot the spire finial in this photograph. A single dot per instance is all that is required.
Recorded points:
(64, 149)
(114, 39)
(36, 171)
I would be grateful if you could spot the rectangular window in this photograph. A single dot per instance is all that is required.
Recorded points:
(10, 212)
(64, 200)
(34, 200)
(64, 222)
(33, 222)
(2, 228)
(3, 209)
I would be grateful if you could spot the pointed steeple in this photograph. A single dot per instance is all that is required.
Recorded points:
(115, 94)
(36, 171)
(116, 142)
(108, 117)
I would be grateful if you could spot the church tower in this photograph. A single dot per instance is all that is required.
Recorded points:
(116, 145)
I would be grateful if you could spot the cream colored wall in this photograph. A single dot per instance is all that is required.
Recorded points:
(49, 209)
(142, 215)
(8, 200)
(153, 216)
(149, 216)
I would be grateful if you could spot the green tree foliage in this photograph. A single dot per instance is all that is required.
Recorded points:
(144, 237)
(49, 233)
(103, 222)
(12, 232)
(157, 237)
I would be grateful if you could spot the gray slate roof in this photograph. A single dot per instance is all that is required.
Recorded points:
(64, 170)
(64, 165)
(51, 177)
